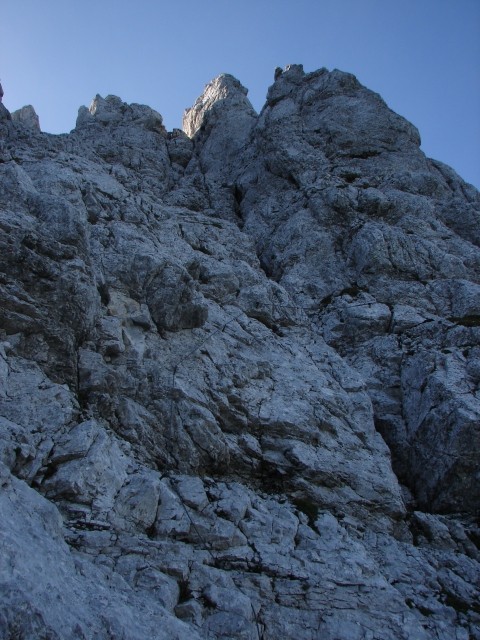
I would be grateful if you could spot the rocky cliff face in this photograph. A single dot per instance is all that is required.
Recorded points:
(239, 373)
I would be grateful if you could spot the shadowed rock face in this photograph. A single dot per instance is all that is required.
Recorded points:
(207, 340)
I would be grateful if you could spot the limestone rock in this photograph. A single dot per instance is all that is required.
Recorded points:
(342, 206)
(28, 117)
(239, 373)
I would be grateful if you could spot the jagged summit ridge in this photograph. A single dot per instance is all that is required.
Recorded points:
(207, 342)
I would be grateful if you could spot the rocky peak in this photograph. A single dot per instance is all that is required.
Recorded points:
(338, 113)
(113, 111)
(28, 117)
(220, 123)
(224, 94)
(330, 174)
(292, 75)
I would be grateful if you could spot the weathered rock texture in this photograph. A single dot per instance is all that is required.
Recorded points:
(27, 116)
(239, 373)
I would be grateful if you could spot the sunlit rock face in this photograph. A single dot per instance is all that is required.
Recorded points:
(239, 372)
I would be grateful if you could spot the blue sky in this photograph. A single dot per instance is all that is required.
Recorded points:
(422, 56)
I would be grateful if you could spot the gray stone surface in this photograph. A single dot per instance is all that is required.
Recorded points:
(344, 209)
(239, 373)
(27, 116)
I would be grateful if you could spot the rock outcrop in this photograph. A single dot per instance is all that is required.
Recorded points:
(239, 373)
(27, 116)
